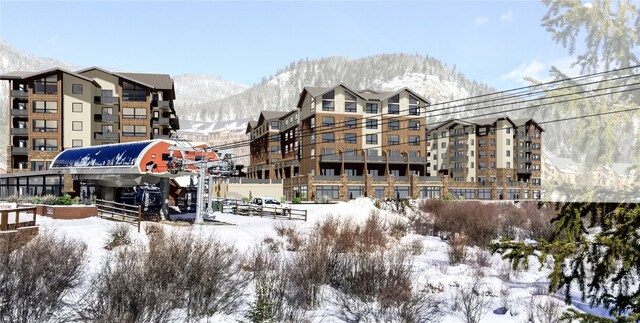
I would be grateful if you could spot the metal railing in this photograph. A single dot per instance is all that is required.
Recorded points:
(397, 158)
(106, 135)
(120, 212)
(20, 150)
(353, 158)
(375, 159)
(355, 178)
(430, 179)
(19, 131)
(19, 93)
(19, 112)
(416, 159)
(327, 177)
(330, 158)
(402, 178)
(378, 178)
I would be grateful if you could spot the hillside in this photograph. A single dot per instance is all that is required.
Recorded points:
(424, 74)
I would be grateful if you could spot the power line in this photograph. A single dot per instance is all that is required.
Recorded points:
(362, 118)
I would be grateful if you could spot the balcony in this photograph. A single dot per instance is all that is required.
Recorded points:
(377, 178)
(459, 146)
(402, 178)
(19, 112)
(105, 117)
(356, 158)
(458, 158)
(375, 159)
(457, 169)
(19, 150)
(523, 148)
(328, 178)
(397, 159)
(330, 158)
(106, 136)
(354, 178)
(430, 179)
(19, 94)
(20, 131)
(416, 159)
(523, 159)
(524, 170)
(105, 100)
(161, 104)
(160, 121)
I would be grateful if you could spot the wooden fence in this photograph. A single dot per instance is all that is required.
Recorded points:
(6, 225)
(120, 212)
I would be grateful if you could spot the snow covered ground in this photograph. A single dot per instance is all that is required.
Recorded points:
(431, 268)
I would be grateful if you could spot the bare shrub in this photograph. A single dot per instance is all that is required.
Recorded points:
(513, 221)
(377, 287)
(422, 223)
(433, 206)
(308, 270)
(477, 221)
(35, 278)
(119, 235)
(470, 303)
(398, 228)
(540, 224)
(200, 276)
(289, 231)
(417, 248)
(374, 233)
(482, 258)
(456, 250)
(544, 310)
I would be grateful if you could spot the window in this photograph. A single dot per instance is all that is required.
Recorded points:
(350, 138)
(350, 123)
(508, 165)
(508, 130)
(482, 131)
(394, 124)
(482, 142)
(328, 103)
(413, 153)
(76, 88)
(350, 104)
(275, 124)
(134, 113)
(372, 139)
(37, 165)
(379, 192)
(414, 125)
(355, 191)
(328, 191)
(134, 131)
(107, 129)
(47, 85)
(313, 138)
(328, 137)
(313, 153)
(443, 134)
(508, 153)
(482, 166)
(275, 138)
(394, 140)
(372, 108)
(76, 107)
(275, 150)
(328, 121)
(106, 93)
(45, 106)
(76, 125)
(443, 145)
(45, 144)
(414, 140)
(492, 142)
(492, 153)
(394, 105)
(313, 122)
(45, 125)
(327, 151)
(492, 130)
(132, 92)
(414, 106)
(508, 142)
(492, 165)
(372, 124)
(76, 143)
(401, 192)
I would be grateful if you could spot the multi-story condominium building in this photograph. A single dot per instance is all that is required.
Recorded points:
(56, 109)
(501, 151)
(265, 144)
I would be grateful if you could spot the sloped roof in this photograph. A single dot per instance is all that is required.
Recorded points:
(391, 94)
(623, 170)
(21, 75)
(452, 121)
(564, 165)
(523, 121)
(158, 81)
(107, 156)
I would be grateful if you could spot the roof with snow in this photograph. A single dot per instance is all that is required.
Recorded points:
(116, 155)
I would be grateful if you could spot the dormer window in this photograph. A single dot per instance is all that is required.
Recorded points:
(328, 101)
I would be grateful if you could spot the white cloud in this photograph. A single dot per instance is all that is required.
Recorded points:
(507, 16)
(538, 69)
(588, 5)
(482, 20)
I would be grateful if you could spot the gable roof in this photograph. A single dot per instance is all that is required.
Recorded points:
(22, 75)
(270, 115)
(154, 81)
(408, 90)
(452, 121)
(523, 121)
(316, 91)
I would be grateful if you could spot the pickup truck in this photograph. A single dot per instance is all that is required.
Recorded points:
(269, 204)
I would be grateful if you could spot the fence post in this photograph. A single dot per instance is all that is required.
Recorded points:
(4, 221)
(261, 211)
(33, 213)
(139, 216)
(305, 215)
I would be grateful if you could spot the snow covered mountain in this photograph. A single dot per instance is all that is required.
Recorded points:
(424, 74)
(196, 89)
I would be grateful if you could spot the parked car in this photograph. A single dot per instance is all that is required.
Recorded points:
(270, 204)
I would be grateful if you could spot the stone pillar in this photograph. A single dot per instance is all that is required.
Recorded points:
(311, 188)
(391, 180)
(344, 188)
(368, 186)
(414, 190)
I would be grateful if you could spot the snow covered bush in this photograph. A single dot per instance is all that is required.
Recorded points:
(35, 278)
(119, 235)
(471, 303)
(196, 276)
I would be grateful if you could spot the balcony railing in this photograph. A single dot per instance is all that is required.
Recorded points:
(430, 179)
(397, 159)
(164, 104)
(107, 100)
(378, 178)
(160, 121)
(523, 148)
(19, 94)
(20, 150)
(330, 158)
(524, 170)
(105, 117)
(375, 159)
(19, 112)
(523, 159)
(416, 159)
(355, 178)
(332, 178)
(459, 146)
(19, 131)
(457, 169)
(402, 178)
(353, 158)
(458, 158)
(106, 135)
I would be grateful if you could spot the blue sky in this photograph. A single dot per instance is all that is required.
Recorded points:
(495, 42)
